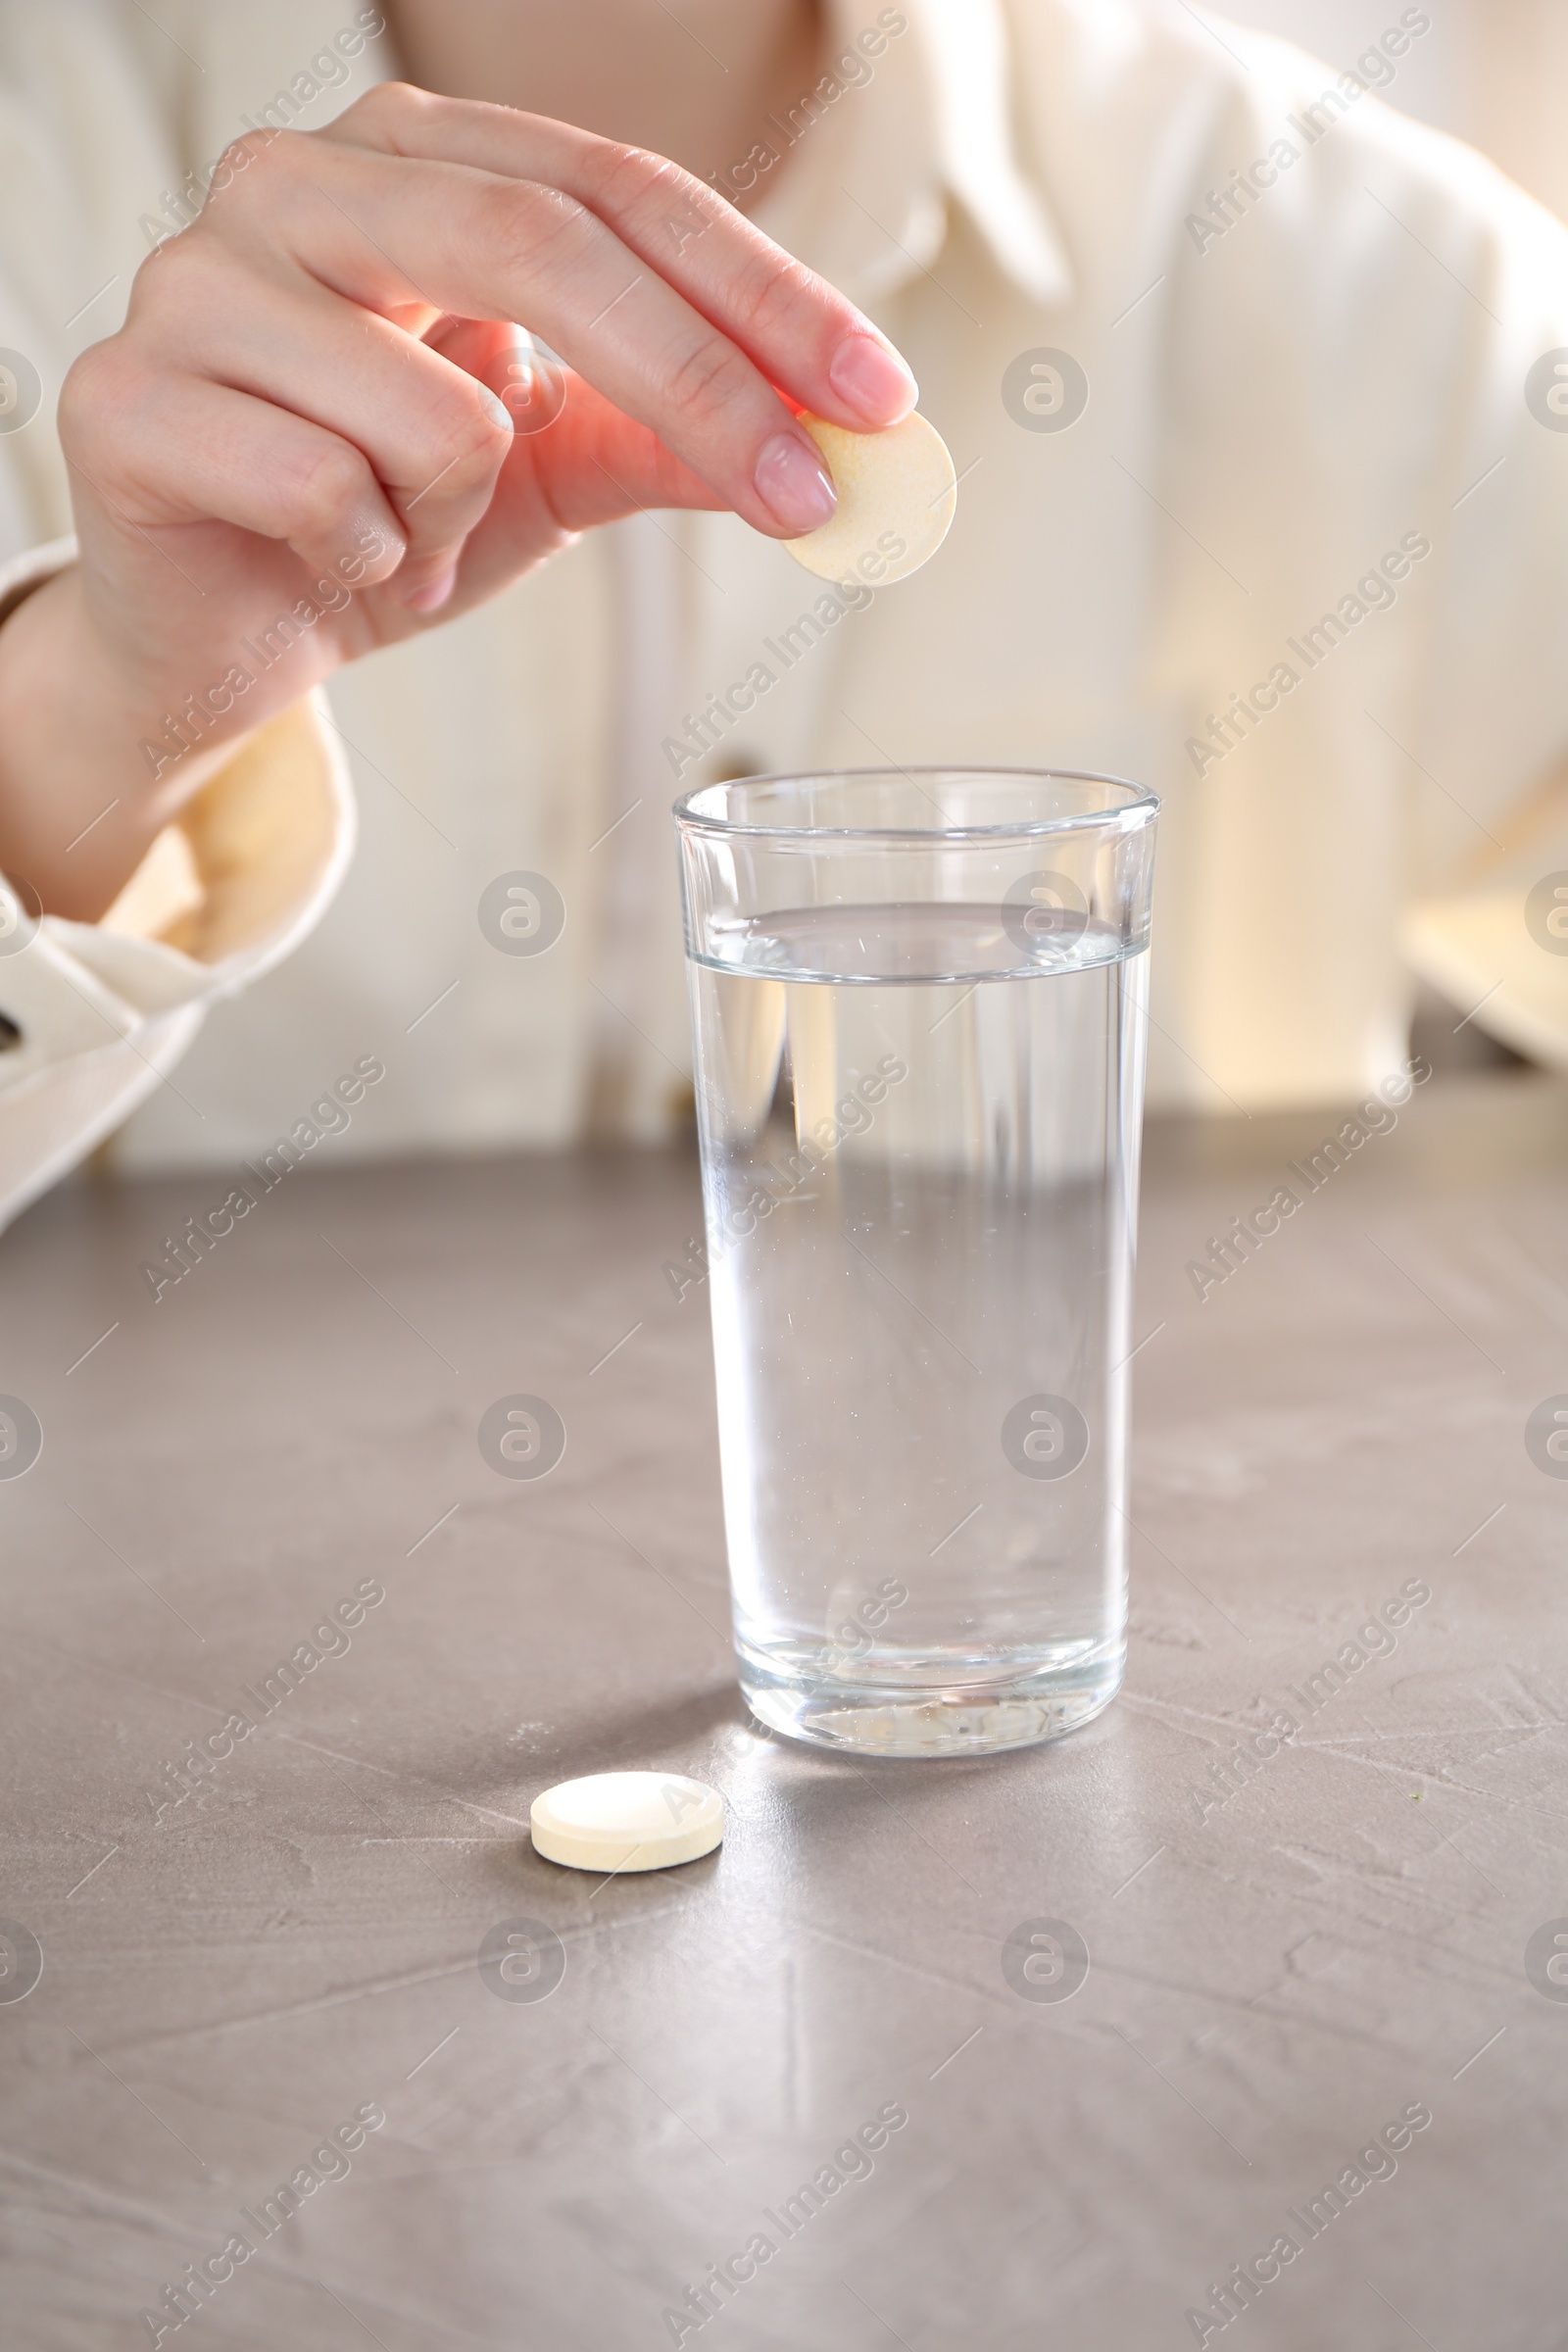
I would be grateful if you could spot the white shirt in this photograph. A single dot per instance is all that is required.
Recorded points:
(1291, 392)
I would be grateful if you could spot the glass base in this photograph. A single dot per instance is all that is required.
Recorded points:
(924, 1713)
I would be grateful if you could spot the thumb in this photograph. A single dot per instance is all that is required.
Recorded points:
(592, 464)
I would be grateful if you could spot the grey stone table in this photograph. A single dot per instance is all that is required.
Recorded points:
(264, 1973)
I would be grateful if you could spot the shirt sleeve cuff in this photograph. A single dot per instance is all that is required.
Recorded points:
(1490, 954)
(95, 1014)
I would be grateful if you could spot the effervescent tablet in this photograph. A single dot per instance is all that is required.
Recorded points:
(627, 1821)
(897, 494)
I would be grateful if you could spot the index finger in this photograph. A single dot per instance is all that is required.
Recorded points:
(802, 334)
(400, 234)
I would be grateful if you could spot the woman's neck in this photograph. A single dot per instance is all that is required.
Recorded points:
(696, 86)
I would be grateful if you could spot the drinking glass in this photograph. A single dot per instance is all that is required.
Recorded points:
(918, 1002)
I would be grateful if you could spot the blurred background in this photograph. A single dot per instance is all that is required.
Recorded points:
(1495, 73)
(527, 736)
(1491, 71)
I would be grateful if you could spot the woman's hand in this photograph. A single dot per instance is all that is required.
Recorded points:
(300, 447)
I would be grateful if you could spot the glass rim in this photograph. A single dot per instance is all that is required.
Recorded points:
(1142, 801)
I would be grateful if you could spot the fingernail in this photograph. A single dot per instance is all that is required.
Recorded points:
(872, 380)
(792, 484)
(434, 594)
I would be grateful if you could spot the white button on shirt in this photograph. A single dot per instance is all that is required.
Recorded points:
(1259, 385)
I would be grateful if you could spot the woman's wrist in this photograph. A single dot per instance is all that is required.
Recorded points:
(88, 775)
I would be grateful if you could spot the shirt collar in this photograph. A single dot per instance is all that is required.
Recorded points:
(865, 196)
